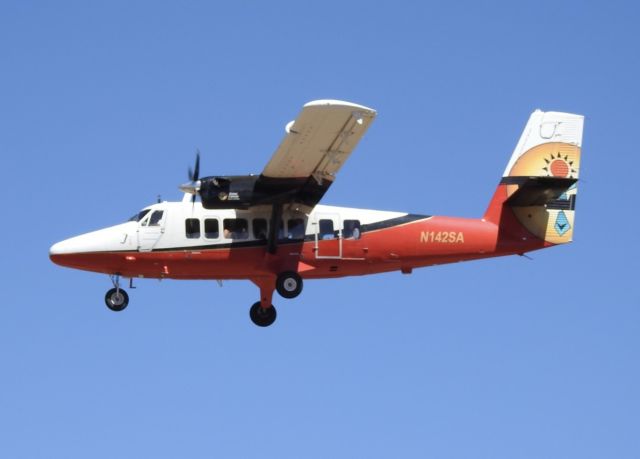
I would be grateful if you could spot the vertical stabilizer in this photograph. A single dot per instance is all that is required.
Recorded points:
(539, 182)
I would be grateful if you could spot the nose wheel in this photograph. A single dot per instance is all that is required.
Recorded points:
(116, 299)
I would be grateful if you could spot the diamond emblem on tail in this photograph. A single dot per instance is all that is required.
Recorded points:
(562, 224)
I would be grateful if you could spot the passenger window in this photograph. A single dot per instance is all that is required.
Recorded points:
(156, 218)
(211, 228)
(260, 229)
(236, 228)
(192, 228)
(281, 230)
(326, 229)
(296, 228)
(351, 229)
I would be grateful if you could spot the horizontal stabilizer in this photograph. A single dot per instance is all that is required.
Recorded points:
(537, 191)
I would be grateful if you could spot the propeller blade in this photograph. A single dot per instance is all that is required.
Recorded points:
(193, 186)
(196, 173)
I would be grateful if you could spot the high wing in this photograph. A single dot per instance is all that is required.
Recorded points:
(303, 167)
(316, 145)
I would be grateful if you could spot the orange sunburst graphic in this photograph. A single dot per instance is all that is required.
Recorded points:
(559, 166)
(556, 159)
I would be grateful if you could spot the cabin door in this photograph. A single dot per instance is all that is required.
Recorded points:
(328, 236)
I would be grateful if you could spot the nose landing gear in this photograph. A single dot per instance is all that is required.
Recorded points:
(116, 298)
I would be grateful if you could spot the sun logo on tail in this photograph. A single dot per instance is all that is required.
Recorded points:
(559, 166)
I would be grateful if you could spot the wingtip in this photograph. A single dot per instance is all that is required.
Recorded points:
(338, 103)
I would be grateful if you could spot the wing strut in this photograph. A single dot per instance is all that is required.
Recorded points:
(276, 216)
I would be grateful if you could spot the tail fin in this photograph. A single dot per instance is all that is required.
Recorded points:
(539, 182)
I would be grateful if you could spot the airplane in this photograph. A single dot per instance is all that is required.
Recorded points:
(270, 228)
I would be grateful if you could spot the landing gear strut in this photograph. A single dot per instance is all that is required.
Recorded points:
(116, 298)
(289, 284)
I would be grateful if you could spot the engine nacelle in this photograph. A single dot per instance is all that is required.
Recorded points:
(244, 191)
(228, 192)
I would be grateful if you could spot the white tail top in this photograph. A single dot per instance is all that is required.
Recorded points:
(547, 127)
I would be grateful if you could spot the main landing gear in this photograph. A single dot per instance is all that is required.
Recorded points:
(116, 298)
(288, 284)
(262, 317)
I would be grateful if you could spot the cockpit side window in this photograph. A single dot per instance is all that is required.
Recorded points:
(139, 216)
(156, 218)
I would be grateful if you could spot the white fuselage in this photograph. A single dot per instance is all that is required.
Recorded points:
(183, 225)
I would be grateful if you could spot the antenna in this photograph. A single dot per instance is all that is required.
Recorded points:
(159, 199)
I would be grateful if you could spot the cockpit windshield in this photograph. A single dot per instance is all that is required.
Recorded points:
(139, 216)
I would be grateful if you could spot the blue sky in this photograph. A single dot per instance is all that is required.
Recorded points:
(103, 106)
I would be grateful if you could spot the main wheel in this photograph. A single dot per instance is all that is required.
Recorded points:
(289, 284)
(116, 299)
(262, 317)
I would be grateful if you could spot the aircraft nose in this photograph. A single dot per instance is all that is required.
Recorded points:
(104, 240)
(77, 244)
(64, 253)
(57, 252)
(58, 249)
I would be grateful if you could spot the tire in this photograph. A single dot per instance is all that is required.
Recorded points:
(262, 317)
(116, 300)
(289, 284)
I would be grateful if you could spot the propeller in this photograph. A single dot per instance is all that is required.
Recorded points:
(193, 186)
(195, 174)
